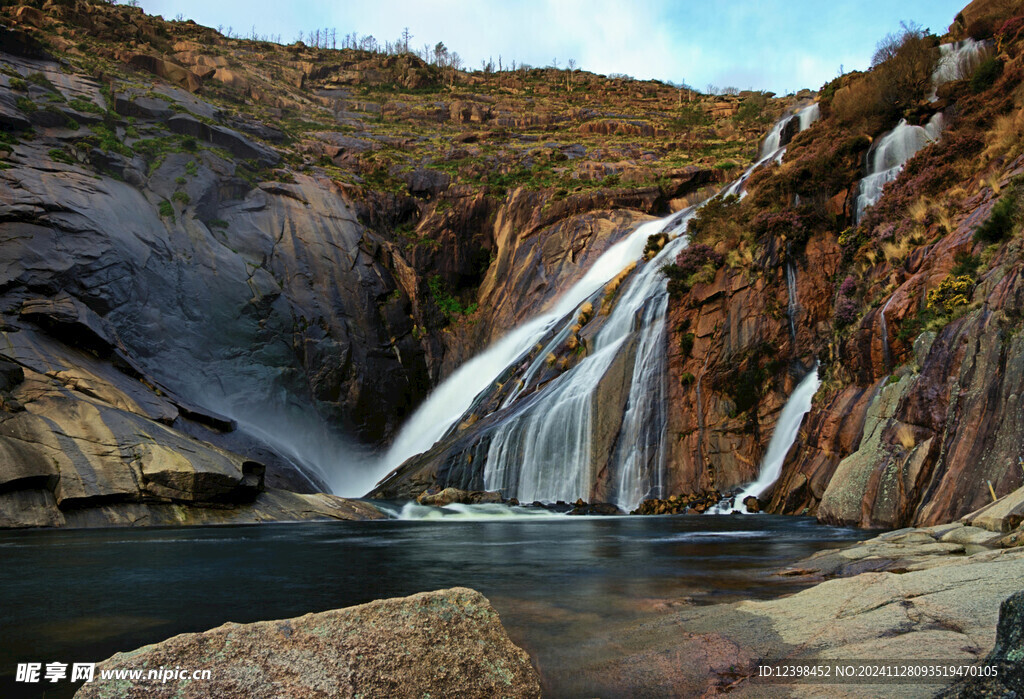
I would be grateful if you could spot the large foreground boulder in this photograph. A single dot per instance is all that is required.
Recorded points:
(439, 644)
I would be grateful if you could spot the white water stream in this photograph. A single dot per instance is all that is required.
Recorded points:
(785, 433)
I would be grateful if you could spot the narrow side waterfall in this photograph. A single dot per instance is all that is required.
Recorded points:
(785, 433)
(889, 153)
(884, 330)
(545, 435)
(957, 61)
(793, 306)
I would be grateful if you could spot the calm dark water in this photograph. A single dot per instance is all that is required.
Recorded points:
(559, 584)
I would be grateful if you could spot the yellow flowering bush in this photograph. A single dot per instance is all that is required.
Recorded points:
(952, 293)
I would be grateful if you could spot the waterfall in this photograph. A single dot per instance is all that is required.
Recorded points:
(884, 329)
(452, 398)
(793, 306)
(957, 61)
(774, 145)
(541, 442)
(889, 153)
(786, 429)
(545, 452)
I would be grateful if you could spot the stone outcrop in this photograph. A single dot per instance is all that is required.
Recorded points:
(448, 643)
(1006, 658)
(450, 496)
(905, 595)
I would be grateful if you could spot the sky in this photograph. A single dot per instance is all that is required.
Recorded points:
(776, 45)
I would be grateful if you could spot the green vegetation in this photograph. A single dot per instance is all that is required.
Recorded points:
(107, 140)
(986, 74)
(1000, 221)
(182, 197)
(18, 84)
(42, 81)
(154, 150)
(166, 209)
(25, 104)
(191, 168)
(80, 104)
(687, 117)
(446, 303)
(965, 264)
(61, 156)
(951, 295)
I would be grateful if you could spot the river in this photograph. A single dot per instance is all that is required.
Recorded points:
(561, 584)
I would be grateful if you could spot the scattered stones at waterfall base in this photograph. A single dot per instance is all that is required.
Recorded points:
(679, 504)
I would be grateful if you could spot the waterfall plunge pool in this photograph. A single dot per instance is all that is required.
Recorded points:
(562, 585)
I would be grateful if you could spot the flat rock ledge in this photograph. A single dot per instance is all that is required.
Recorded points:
(930, 593)
(448, 643)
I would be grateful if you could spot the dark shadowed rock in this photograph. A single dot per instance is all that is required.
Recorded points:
(424, 182)
(240, 146)
(1007, 657)
(448, 643)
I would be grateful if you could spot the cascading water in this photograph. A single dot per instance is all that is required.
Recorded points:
(545, 451)
(957, 61)
(541, 443)
(785, 433)
(793, 306)
(774, 145)
(889, 153)
(884, 330)
(887, 156)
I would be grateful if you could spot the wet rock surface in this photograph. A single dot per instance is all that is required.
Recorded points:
(448, 643)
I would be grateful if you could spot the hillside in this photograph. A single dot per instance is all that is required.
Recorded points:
(228, 264)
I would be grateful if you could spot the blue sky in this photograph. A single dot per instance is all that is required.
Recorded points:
(778, 45)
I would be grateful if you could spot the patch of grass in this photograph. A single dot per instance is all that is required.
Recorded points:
(217, 223)
(986, 74)
(61, 156)
(80, 104)
(191, 168)
(446, 303)
(106, 139)
(42, 81)
(182, 197)
(18, 84)
(166, 209)
(1000, 221)
(25, 104)
(965, 264)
